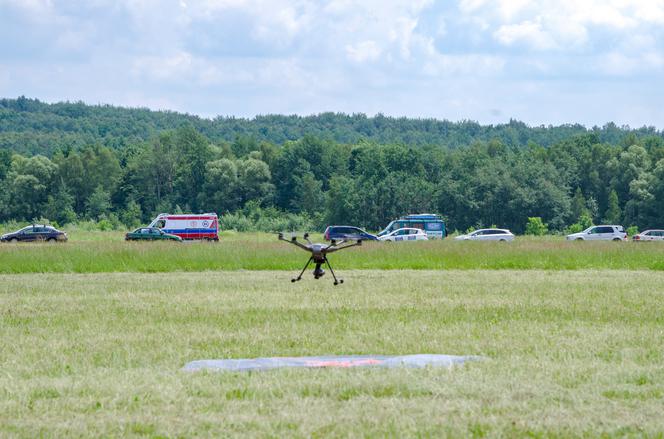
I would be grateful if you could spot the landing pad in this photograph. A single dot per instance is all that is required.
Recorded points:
(344, 361)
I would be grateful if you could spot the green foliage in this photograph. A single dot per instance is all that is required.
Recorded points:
(585, 221)
(319, 170)
(60, 206)
(255, 218)
(632, 230)
(613, 214)
(131, 216)
(536, 227)
(582, 224)
(99, 203)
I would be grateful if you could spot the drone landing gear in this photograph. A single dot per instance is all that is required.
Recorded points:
(336, 282)
(318, 271)
(295, 279)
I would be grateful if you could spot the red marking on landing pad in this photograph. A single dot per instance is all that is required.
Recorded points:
(347, 363)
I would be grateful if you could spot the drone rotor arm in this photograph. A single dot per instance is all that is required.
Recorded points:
(334, 249)
(294, 242)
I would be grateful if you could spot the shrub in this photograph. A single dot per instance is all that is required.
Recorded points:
(536, 227)
(632, 230)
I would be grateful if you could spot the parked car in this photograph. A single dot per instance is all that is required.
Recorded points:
(35, 232)
(405, 234)
(487, 235)
(600, 233)
(649, 235)
(432, 224)
(150, 234)
(349, 233)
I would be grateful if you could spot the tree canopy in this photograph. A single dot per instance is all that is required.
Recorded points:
(70, 161)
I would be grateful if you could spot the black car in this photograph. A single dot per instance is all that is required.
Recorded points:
(33, 233)
(348, 232)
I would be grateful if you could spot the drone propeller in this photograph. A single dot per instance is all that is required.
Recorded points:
(318, 255)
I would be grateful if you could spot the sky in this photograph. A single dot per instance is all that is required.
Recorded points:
(541, 62)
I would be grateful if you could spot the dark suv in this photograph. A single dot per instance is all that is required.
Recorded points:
(348, 232)
(33, 233)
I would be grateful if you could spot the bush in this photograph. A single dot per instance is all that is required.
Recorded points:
(256, 219)
(632, 230)
(584, 222)
(536, 227)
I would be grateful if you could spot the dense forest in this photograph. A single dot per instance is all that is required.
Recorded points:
(68, 162)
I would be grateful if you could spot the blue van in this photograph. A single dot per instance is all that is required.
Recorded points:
(432, 224)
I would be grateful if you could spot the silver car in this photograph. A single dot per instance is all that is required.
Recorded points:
(405, 234)
(649, 235)
(487, 235)
(600, 233)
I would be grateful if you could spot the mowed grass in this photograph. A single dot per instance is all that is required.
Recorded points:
(264, 252)
(569, 353)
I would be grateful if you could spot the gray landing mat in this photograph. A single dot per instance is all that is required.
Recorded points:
(248, 364)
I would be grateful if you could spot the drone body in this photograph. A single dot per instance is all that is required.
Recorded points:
(319, 254)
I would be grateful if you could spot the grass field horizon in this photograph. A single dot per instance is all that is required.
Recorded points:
(108, 252)
(569, 353)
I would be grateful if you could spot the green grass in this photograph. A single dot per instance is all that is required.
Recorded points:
(107, 252)
(570, 353)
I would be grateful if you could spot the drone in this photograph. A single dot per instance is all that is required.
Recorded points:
(319, 254)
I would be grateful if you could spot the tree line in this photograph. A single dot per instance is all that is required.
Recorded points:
(314, 181)
(30, 126)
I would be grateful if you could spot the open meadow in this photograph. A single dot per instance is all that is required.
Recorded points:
(106, 252)
(94, 336)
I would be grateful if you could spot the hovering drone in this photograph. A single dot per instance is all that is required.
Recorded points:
(318, 255)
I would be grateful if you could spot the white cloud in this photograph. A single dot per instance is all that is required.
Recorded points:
(561, 24)
(417, 57)
(363, 51)
(528, 32)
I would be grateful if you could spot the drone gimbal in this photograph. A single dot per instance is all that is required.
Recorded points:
(318, 255)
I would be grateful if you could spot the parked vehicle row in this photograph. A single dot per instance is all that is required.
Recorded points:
(420, 232)
(163, 227)
(419, 227)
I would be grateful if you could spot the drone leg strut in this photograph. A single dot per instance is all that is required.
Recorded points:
(303, 270)
(336, 282)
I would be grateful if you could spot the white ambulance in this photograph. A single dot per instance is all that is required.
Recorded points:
(189, 226)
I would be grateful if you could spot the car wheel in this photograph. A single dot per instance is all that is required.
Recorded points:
(579, 239)
(503, 240)
(616, 239)
(51, 240)
(13, 240)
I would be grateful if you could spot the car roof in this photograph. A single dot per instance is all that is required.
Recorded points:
(348, 227)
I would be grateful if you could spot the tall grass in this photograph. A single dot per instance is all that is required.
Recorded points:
(238, 251)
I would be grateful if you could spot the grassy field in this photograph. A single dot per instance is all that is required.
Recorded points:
(569, 353)
(104, 252)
